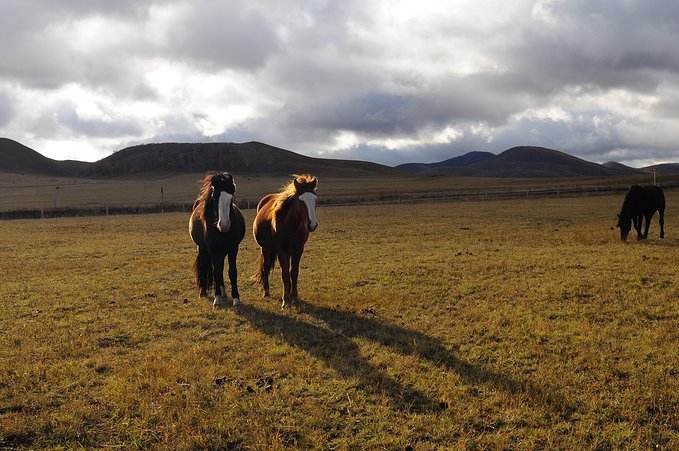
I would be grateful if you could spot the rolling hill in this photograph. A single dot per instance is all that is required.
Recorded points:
(663, 169)
(255, 158)
(19, 159)
(536, 162)
(445, 166)
(520, 162)
(241, 158)
(622, 169)
(251, 158)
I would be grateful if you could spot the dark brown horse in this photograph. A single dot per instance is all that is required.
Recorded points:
(217, 227)
(281, 228)
(641, 202)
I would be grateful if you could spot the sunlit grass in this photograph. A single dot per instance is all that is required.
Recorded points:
(516, 324)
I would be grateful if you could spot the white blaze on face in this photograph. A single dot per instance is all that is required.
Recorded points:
(309, 200)
(224, 223)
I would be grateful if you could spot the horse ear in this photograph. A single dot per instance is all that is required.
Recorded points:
(297, 184)
(314, 183)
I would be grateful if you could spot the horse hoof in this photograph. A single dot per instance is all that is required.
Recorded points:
(220, 302)
(236, 302)
(266, 295)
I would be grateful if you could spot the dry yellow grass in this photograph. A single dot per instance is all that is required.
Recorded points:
(516, 324)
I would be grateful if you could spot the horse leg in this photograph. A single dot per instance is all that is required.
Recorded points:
(294, 274)
(203, 271)
(218, 270)
(637, 225)
(648, 224)
(268, 259)
(284, 261)
(661, 219)
(233, 275)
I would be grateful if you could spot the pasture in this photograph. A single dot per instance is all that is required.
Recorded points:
(518, 324)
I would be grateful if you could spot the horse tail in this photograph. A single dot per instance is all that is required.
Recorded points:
(258, 276)
(202, 268)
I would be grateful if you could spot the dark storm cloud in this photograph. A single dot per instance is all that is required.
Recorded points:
(68, 117)
(221, 35)
(330, 68)
(38, 50)
(628, 44)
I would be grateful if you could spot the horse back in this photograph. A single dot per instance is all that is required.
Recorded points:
(654, 198)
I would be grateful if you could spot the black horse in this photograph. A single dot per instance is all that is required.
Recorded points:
(641, 202)
(217, 227)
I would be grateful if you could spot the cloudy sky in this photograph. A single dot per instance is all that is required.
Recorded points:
(387, 81)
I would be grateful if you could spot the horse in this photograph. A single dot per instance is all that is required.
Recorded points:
(641, 202)
(281, 228)
(217, 227)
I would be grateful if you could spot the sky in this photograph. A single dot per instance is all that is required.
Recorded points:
(385, 81)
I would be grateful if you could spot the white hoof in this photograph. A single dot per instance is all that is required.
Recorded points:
(220, 301)
(236, 302)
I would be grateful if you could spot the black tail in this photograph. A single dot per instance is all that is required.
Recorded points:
(202, 268)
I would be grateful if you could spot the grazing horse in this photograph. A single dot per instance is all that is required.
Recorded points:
(641, 202)
(281, 228)
(217, 227)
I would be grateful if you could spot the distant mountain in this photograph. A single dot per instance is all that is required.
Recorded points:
(255, 158)
(622, 169)
(444, 166)
(663, 169)
(172, 158)
(17, 158)
(520, 162)
(240, 158)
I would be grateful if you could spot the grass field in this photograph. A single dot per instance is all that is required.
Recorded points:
(515, 325)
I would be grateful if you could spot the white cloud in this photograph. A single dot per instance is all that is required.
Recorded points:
(383, 80)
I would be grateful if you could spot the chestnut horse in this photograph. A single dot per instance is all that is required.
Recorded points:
(217, 227)
(281, 228)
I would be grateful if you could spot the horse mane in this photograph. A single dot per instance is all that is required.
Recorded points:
(204, 196)
(282, 199)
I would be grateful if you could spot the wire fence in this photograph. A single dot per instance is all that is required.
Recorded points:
(377, 198)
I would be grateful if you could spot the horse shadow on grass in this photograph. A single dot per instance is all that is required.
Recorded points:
(335, 346)
(340, 353)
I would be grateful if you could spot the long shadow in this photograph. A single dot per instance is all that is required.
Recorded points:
(340, 353)
(411, 342)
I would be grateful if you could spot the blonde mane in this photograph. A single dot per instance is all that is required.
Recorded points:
(288, 192)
